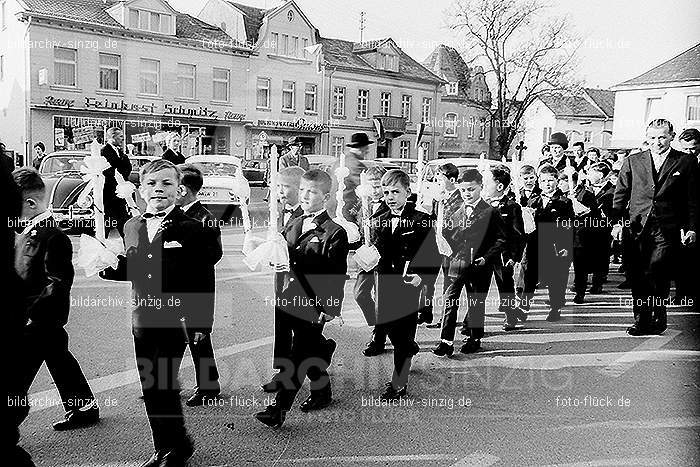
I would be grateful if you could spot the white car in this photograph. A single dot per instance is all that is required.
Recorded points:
(217, 193)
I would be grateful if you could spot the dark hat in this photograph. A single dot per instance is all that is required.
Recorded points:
(560, 139)
(359, 140)
(294, 141)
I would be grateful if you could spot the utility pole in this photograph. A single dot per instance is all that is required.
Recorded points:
(362, 26)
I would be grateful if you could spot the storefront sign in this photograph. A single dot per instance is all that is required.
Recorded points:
(298, 124)
(140, 138)
(120, 105)
(83, 134)
(52, 101)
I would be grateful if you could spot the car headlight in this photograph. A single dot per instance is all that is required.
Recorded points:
(85, 202)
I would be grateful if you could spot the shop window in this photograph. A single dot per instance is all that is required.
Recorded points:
(149, 77)
(406, 102)
(405, 149)
(288, 95)
(186, 76)
(109, 71)
(338, 145)
(425, 110)
(263, 93)
(65, 66)
(362, 103)
(339, 101)
(310, 97)
(220, 84)
(385, 103)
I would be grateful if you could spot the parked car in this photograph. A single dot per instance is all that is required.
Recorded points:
(216, 193)
(60, 171)
(320, 161)
(255, 171)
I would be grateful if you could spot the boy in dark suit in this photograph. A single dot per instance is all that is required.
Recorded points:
(496, 192)
(206, 373)
(364, 285)
(548, 250)
(529, 188)
(477, 236)
(601, 239)
(161, 247)
(405, 239)
(288, 180)
(43, 261)
(311, 293)
(116, 211)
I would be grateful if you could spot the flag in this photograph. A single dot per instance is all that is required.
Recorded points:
(419, 134)
(379, 127)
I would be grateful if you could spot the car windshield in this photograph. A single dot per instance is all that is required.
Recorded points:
(56, 164)
(222, 169)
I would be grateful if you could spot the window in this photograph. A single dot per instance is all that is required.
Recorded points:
(472, 124)
(304, 45)
(284, 46)
(653, 109)
(263, 93)
(693, 109)
(64, 66)
(385, 103)
(546, 133)
(452, 88)
(288, 98)
(586, 136)
(275, 42)
(405, 149)
(109, 72)
(149, 21)
(220, 85)
(2, 68)
(482, 128)
(426, 148)
(425, 110)
(149, 76)
(338, 101)
(186, 80)
(387, 62)
(310, 97)
(338, 144)
(451, 124)
(294, 47)
(362, 103)
(406, 107)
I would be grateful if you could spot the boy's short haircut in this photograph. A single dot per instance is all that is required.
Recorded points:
(29, 181)
(191, 177)
(375, 172)
(396, 177)
(527, 169)
(549, 169)
(603, 167)
(158, 165)
(471, 175)
(293, 172)
(579, 143)
(690, 134)
(501, 175)
(449, 170)
(320, 177)
(595, 150)
(661, 123)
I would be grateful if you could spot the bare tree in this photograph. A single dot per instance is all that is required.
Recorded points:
(526, 54)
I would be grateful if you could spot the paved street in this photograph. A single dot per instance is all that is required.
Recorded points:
(577, 392)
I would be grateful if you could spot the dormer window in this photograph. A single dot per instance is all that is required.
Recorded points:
(452, 88)
(387, 62)
(150, 21)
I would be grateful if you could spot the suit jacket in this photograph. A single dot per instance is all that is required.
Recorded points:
(481, 235)
(43, 261)
(161, 272)
(412, 241)
(584, 222)
(174, 157)
(560, 165)
(372, 217)
(580, 165)
(669, 198)
(514, 228)
(552, 232)
(114, 207)
(317, 269)
(524, 198)
(13, 304)
(205, 278)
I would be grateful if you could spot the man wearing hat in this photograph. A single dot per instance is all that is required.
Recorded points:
(357, 151)
(293, 156)
(558, 143)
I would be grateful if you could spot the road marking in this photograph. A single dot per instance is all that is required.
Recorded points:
(127, 377)
(625, 461)
(675, 422)
(546, 338)
(374, 459)
(625, 362)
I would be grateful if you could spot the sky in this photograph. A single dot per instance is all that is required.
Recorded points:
(621, 38)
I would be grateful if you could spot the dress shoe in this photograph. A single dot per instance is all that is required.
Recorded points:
(415, 348)
(471, 346)
(578, 299)
(596, 289)
(272, 416)
(200, 397)
(553, 315)
(436, 325)
(637, 331)
(317, 400)
(443, 349)
(425, 318)
(390, 393)
(373, 349)
(85, 416)
(176, 457)
(274, 385)
(509, 325)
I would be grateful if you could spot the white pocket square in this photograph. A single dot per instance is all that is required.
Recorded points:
(676, 173)
(172, 245)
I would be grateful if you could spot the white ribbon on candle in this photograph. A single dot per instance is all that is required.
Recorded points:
(443, 247)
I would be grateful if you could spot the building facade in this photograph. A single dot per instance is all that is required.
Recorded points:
(670, 90)
(463, 119)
